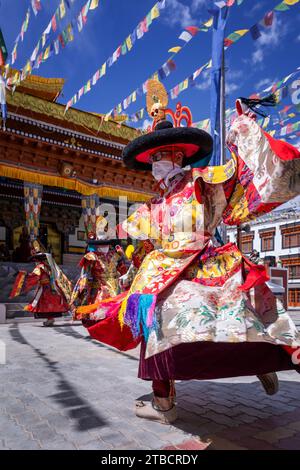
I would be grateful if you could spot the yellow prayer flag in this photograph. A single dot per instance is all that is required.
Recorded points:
(209, 23)
(94, 4)
(154, 12)
(209, 64)
(46, 53)
(290, 2)
(129, 43)
(103, 70)
(28, 67)
(134, 96)
(185, 84)
(241, 32)
(62, 9)
(175, 49)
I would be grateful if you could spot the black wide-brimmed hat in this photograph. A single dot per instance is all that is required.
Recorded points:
(195, 145)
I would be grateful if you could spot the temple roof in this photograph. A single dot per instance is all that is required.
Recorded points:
(38, 95)
(46, 88)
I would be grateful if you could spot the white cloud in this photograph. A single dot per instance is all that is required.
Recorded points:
(230, 87)
(178, 13)
(270, 37)
(206, 81)
(257, 6)
(264, 82)
(234, 74)
(258, 56)
(196, 4)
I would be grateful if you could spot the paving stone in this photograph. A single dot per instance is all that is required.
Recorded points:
(58, 444)
(255, 444)
(65, 403)
(94, 445)
(292, 443)
(221, 443)
(26, 445)
(43, 431)
(275, 434)
(294, 425)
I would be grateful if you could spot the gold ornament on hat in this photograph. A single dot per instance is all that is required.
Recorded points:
(157, 102)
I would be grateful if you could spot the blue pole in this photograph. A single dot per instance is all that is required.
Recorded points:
(220, 16)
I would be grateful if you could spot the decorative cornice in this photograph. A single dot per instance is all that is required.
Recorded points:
(73, 116)
(49, 140)
(62, 130)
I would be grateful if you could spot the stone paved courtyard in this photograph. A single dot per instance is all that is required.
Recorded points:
(60, 390)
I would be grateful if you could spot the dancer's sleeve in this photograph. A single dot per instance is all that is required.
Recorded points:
(267, 172)
(18, 284)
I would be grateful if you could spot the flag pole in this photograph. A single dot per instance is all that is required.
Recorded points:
(223, 130)
(222, 112)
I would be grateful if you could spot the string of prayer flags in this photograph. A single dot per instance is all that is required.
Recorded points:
(35, 7)
(188, 33)
(231, 39)
(168, 66)
(122, 49)
(285, 5)
(66, 36)
(234, 37)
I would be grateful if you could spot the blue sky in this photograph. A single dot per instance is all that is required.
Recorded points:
(251, 65)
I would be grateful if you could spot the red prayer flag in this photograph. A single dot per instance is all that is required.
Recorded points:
(192, 29)
(268, 19)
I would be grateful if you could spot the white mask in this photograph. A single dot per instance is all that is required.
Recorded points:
(162, 168)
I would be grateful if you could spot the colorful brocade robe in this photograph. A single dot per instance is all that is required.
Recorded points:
(51, 296)
(98, 280)
(186, 290)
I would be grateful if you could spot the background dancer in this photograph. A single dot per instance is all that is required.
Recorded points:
(53, 294)
(102, 266)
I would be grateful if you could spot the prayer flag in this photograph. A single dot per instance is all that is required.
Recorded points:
(255, 32)
(175, 49)
(193, 30)
(94, 4)
(62, 9)
(185, 36)
(129, 43)
(36, 6)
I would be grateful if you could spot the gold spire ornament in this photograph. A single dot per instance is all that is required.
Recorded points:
(156, 100)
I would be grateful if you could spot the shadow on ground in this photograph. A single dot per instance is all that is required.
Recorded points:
(70, 331)
(78, 409)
